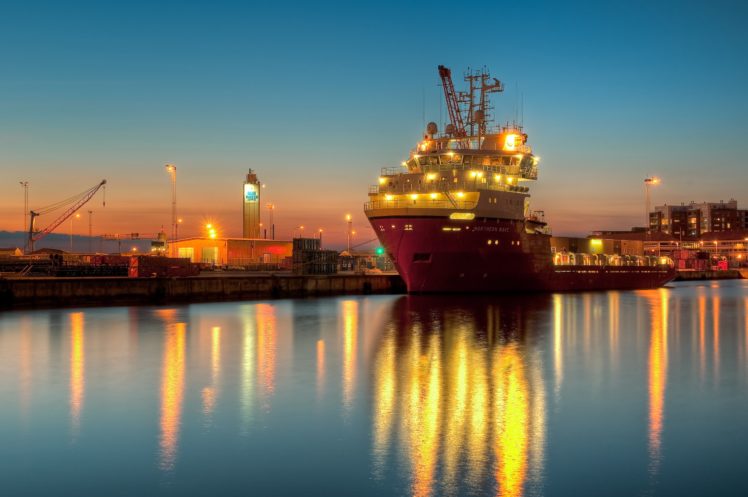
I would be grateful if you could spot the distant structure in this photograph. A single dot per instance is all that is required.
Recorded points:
(692, 220)
(251, 206)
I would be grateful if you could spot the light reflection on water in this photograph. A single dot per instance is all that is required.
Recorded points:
(566, 394)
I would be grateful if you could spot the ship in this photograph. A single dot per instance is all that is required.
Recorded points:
(455, 217)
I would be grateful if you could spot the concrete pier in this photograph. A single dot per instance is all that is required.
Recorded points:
(731, 274)
(63, 292)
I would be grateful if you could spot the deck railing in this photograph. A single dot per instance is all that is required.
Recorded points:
(419, 204)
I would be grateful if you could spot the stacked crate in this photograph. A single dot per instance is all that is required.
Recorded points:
(148, 266)
(309, 258)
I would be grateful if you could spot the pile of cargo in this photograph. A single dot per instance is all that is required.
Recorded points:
(309, 258)
(148, 266)
(691, 260)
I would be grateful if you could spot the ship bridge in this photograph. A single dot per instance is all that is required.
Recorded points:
(460, 174)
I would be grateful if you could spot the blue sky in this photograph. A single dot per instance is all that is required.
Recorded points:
(318, 96)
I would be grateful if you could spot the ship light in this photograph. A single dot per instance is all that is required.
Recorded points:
(404, 164)
(497, 178)
(460, 194)
(388, 197)
(433, 196)
(414, 196)
(509, 179)
(462, 216)
(382, 180)
(431, 176)
(510, 142)
(535, 161)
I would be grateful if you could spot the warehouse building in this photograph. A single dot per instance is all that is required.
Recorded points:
(239, 252)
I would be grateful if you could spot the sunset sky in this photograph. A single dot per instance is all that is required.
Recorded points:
(317, 97)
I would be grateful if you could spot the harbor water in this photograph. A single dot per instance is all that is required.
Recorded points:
(604, 393)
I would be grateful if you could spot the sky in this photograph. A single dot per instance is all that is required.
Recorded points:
(318, 96)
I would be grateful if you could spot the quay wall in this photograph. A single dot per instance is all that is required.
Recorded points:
(731, 274)
(63, 292)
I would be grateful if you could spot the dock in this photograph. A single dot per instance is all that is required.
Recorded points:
(108, 291)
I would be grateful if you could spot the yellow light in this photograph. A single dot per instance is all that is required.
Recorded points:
(414, 196)
(463, 216)
(473, 174)
(403, 163)
(510, 142)
(497, 178)
(347, 217)
(460, 194)
(382, 180)
(209, 226)
(596, 241)
(388, 197)
(433, 196)
(212, 235)
(431, 176)
(510, 179)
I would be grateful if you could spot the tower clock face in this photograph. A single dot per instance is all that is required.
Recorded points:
(250, 193)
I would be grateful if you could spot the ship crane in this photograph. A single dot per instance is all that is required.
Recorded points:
(75, 203)
(453, 105)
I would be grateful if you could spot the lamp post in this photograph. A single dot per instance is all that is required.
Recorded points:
(320, 237)
(172, 170)
(271, 208)
(90, 230)
(25, 185)
(77, 216)
(349, 220)
(648, 182)
(176, 226)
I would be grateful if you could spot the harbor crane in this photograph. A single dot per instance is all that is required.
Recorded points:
(73, 204)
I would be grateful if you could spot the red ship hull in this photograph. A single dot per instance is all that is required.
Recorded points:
(438, 255)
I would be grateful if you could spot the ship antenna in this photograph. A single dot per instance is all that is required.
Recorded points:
(423, 106)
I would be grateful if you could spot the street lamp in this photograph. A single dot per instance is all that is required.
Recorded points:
(172, 170)
(90, 231)
(271, 208)
(349, 219)
(648, 182)
(25, 185)
(77, 216)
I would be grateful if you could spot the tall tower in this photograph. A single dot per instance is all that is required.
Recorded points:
(251, 203)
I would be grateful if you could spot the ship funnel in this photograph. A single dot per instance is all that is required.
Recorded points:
(431, 128)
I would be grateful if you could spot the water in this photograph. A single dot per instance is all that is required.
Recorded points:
(618, 393)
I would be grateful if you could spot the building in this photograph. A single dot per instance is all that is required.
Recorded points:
(251, 206)
(691, 220)
(239, 252)
(595, 244)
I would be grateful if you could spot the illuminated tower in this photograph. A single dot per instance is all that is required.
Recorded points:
(251, 206)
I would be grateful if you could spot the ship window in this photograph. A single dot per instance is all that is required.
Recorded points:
(424, 161)
(490, 242)
(408, 227)
(421, 257)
